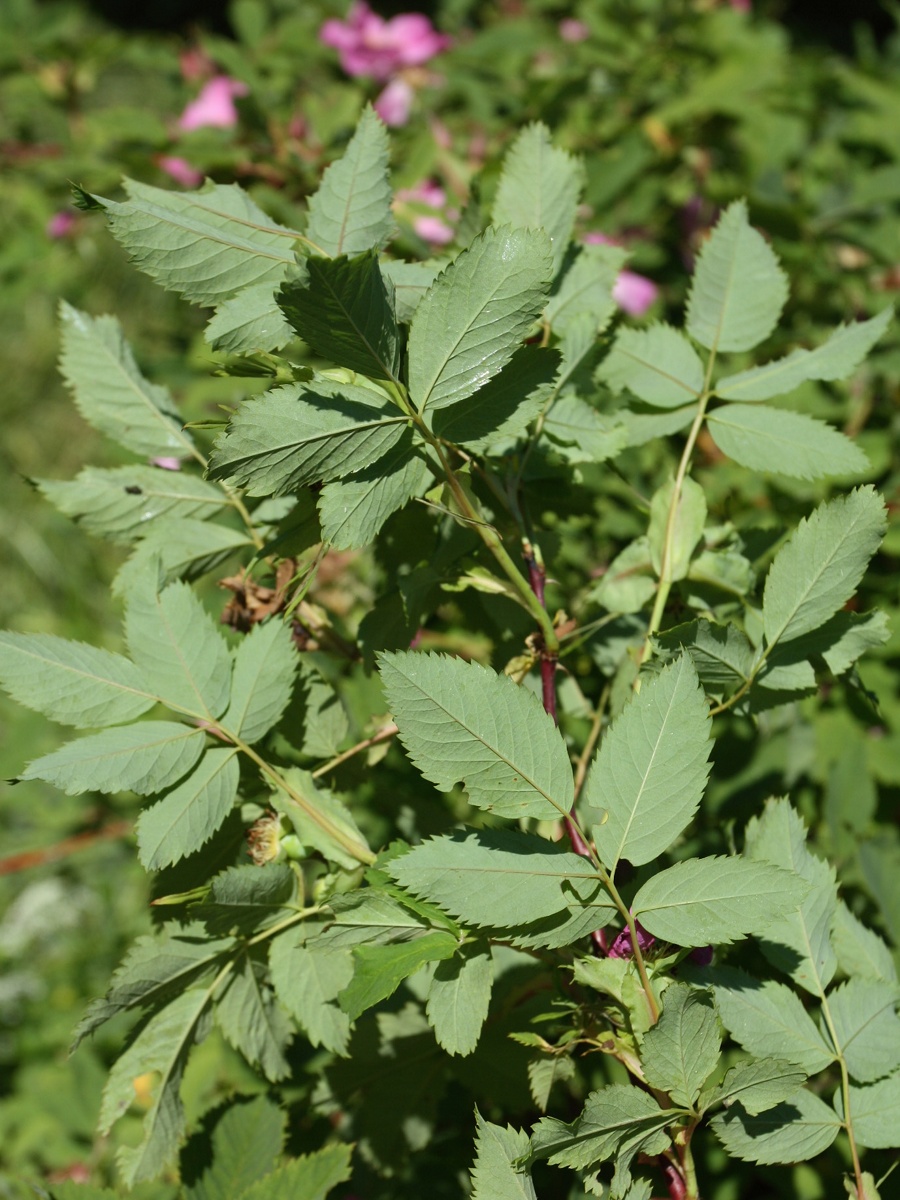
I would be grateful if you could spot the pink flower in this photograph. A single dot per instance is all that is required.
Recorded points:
(370, 45)
(622, 948)
(395, 103)
(433, 230)
(61, 224)
(180, 170)
(572, 30)
(427, 192)
(634, 293)
(215, 104)
(166, 463)
(742, 5)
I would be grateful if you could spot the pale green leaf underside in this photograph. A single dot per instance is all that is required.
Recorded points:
(249, 322)
(476, 313)
(539, 188)
(793, 1131)
(322, 821)
(715, 900)
(585, 292)
(459, 996)
(71, 682)
(111, 393)
(876, 1113)
(867, 1027)
(783, 443)
(769, 1020)
(178, 548)
(308, 981)
(143, 758)
(207, 245)
(658, 365)
(494, 1176)
(189, 815)
(860, 951)
(581, 434)
(738, 289)
(682, 1049)
(758, 1085)
(648, 778)
(500, 878)
(461, 722)
(265, 665)
(838, 356)
(178, 650)
(123, 503)
(351, 211)
(352, 510)
(818, 570)
(293, 436)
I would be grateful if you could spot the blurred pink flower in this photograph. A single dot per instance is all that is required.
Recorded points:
(632, 292)
(427, 192)
(395, 103)
(434, 230)
(61, 224)
(742, 5)
(215, 104)
(180, 170)
(166, 463)
(572, 30)
(195, 63)
(370, 45)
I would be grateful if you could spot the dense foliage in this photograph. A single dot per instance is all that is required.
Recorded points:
(553, 689)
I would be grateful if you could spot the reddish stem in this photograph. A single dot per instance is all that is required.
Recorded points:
(27, 859)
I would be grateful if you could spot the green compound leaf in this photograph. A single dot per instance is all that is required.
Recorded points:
(784, 443)
(715, 900)
(246, 1144)
(648, 778)
(249, 322)
(207, 245)
(819, 568)
(144, 758)
(187, 817)
(295, 435)
(156, 969)
(162, 1046)
(351, 211)
(176, 549)
(758, 1085)
(111, 393)
(721, 654)
(539, 188)
(619, 1120)
(459, 997)
(321, 820)
(252, 1021)
(344, 311)
(581, 434)
(410, 282)
(494, 1175)
(860, 951)
(499, 878)
(798, 942)
(867, 1027)
(471, 321)
(686, 530)
(373, 917)
(836, 358)
(585, 292)
(265, 665)
(682, 1050)
(462, 722)
(311, 1176)
(124, 503)
(768, 1019)
(307, 980)
(738, 289)
(875, 1112)
(379, 970)
(793, 1131)
(178, 650)
(544, 1072)
(353, 510)
(503, 408)
(71, 682)
(658, 365)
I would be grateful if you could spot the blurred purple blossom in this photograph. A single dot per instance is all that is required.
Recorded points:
(573, 30)
(742, 5)
(394, 104)
(61, 224)
(215, 104)
(622, 948)
(427, 192)
(433, 230)
(166, 463)
(632, 292)
(370, 45)
(702, 956)
(180, 170)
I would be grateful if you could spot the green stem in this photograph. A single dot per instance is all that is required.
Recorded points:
(629, 919)
(845, 1094)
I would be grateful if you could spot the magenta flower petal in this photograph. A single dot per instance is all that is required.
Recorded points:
(395, 103)
(621, 947)
(634, 293)
(433, 230)
(427, 192)
(181, 171)
(215, 104)
(61, 224)
(572, 30)
(369, 45)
